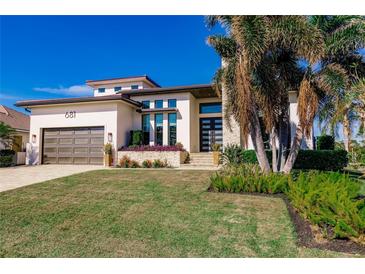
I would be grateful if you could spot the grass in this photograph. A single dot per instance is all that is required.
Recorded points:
(143, 213)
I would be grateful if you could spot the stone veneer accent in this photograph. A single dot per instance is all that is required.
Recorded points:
(173, 158)
(230, 136)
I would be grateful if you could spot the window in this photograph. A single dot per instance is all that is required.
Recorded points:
(117, 89)
(158, 103)
(146, 129)
(210, 108)
(145, 104)
(101, 90)
(172, 129)
(134, 86)
(158, 129)
(172, 103)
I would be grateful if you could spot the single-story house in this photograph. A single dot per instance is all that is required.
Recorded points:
(74, 130)
(20, 122)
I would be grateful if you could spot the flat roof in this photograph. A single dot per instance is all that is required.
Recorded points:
(199, 91)
(116, 97)
(129, 79)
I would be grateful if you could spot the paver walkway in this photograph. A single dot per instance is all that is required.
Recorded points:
(14, 177)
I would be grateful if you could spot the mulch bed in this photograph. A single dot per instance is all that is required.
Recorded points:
(305, 234)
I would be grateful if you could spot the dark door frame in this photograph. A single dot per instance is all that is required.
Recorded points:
(200, 130)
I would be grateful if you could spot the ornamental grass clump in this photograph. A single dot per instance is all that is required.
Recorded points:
(247, 178)
(331, 201)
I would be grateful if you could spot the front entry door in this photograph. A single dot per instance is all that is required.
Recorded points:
(210, 133)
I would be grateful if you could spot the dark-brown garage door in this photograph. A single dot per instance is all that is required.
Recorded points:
(78, 146)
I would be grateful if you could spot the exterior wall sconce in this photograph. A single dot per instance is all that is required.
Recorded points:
(34, 138)
(110, 137)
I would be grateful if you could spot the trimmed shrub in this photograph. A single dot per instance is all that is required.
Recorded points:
(147, 164)
(134, 164)
(6, 161)
(136, 138)
(158, 163)
(329, 200)
(330, 160)
(325, 142)
(247, 178)
(7, 152)
(125, 161)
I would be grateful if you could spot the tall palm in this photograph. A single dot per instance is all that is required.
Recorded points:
(344, 36)
(256, 80)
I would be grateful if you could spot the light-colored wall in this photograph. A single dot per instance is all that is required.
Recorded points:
(109, 89)
(87, 114)
(307, 142)
(183, 117)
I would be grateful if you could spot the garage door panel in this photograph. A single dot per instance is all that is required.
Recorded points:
(73, 145)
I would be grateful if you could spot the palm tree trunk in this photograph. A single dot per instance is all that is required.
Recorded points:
(283, 143)
(346, 133)
(258, 143)
(294, 150)
(273, 137)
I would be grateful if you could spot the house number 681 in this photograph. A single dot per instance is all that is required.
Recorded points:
(70, 114)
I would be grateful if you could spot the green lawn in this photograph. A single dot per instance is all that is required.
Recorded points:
(143, 213)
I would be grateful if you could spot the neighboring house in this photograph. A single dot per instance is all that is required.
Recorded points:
(74, 130)
(18, 121)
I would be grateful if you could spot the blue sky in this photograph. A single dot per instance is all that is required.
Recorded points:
(52, 56)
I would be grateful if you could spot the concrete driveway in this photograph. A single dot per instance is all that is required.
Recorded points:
(14, 177)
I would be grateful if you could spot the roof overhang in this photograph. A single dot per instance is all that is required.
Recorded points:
(117, 97)
(198, 91)
(111, 81)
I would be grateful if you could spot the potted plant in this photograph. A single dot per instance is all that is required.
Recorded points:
(216, 148)
(108, 157)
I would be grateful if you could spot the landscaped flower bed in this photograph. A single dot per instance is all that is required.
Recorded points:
(170, 156)
(330, 201)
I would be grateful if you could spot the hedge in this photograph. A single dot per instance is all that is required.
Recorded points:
(330, 160)
(325, 142)
(6, 161)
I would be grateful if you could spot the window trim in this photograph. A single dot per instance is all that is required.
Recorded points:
(168, 129)
(159, 100)
(171, 100)
(145, 107)
(156, 129)
(209, 104)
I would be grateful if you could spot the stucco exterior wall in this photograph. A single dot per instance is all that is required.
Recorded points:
(87, 114)
(183, 117)
(109, 89)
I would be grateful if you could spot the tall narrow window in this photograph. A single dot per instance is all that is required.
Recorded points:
(145, 104)
(158, 128)
(172, 129)
(172, 103)
(158, 103)
(146, 129)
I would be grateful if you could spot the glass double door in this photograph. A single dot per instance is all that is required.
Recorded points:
(211, 132)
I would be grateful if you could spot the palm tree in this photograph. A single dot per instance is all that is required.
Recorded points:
(256, 51)
(344, 36)
(6, 134)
